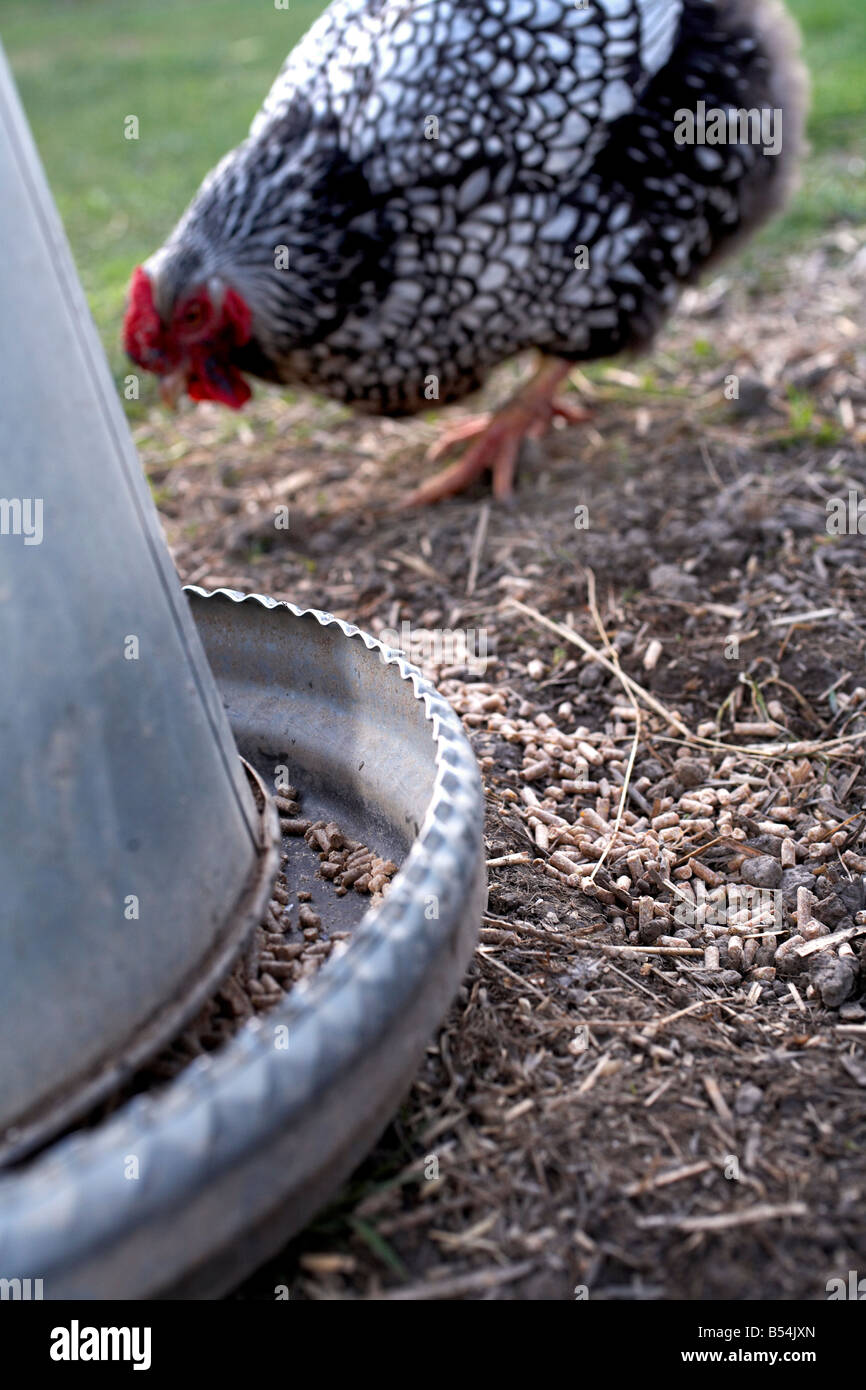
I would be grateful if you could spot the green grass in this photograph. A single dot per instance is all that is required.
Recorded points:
(194, 72)
(834, 183)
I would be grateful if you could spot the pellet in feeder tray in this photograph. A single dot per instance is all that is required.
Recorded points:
(295, 938)
(342, 863)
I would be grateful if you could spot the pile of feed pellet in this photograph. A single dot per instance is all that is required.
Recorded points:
(742, 860)
(283, 950)
(344, 862)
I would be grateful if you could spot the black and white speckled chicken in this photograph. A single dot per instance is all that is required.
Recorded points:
(433, 186)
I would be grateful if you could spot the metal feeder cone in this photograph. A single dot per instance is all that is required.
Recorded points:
(136, 852)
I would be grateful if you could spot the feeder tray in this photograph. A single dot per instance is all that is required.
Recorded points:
(240, 1150)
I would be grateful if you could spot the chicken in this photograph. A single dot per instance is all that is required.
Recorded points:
(433, 186)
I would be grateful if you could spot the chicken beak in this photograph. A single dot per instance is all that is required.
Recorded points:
(172, 387)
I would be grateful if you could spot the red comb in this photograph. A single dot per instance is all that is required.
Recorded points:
(143, 335)
(210, 374)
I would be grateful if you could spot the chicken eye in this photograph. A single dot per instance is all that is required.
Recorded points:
(193, 314)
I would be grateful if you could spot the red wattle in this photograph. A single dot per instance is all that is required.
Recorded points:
(212, 380)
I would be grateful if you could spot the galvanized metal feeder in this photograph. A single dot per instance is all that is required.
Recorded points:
(138, 842)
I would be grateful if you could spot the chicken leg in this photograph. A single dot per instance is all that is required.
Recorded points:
(528, 415)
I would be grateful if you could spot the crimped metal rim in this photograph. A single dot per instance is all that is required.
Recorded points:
(61, 1210)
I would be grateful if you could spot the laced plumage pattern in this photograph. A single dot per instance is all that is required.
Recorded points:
(434, 185)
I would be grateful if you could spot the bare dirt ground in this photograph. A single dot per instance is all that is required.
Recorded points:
(649, 1087)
